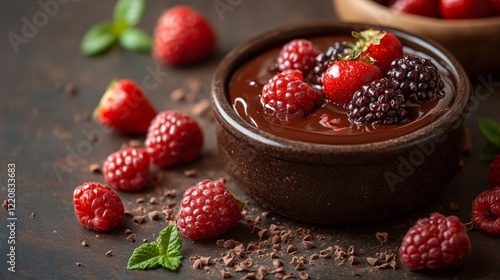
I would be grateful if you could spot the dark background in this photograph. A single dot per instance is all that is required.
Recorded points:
(41, 127)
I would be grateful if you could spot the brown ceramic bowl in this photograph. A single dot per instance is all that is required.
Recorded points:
(472, 41)
(338, 184)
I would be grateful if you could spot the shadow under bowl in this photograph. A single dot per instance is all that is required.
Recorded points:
(339, 184)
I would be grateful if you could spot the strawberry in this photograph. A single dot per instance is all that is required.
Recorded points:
(345, 77)
(464, 9)
(125, 108)
(382, 46)
(427, 8)
(183, 36)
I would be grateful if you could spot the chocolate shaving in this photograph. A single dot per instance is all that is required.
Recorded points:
(128, 231)
(128, 214)
(372, 261)
(303, 275)
(32, 215)
(265, 214)
(190, 173)
(70, 89)
(178, 95)
(225, 274)
(139, 200)
(383, 237)
(153, 200)
(78, 264)
(85, 243)
(291, 249)
(109, 253)
(131, 237)
(94, 168)
(138, 220)
(5, 205)
(353, 260)
(200, 108)
(351, 251)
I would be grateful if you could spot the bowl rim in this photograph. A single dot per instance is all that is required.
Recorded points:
(493, 21)
(277, 146)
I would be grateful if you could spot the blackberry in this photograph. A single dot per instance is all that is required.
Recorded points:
(324, 60)
(378, 102)
(417, 78)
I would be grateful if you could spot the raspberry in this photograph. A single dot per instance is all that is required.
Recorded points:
(127, 169)
(207, 210)
(494, 173)
(435, 243)
(173, 138)
(486, 211)
(287, 92)
(418, 78)
(299, 55)
(97, 206)
(378, 102)
(324, 60)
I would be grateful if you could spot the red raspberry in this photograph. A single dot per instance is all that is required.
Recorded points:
(494, 173)
(287, 92)
(207, 210)
(173, 138)
(97, 206)
(127, 169)
(183, 36)
(486, 211)
(435, 243)
(299, 55)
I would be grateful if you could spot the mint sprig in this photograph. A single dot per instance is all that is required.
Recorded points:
(491, 132)
(166, 251)
(102, 36)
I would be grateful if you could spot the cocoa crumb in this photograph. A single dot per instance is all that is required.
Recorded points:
(94, 168)
(32, 215)
(78, 264)
(70, 89)
(85, 243)
(383, 237)
(109, 253)
(190, 173)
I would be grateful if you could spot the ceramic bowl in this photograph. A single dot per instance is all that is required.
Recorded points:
(338, 184)
(473, 41)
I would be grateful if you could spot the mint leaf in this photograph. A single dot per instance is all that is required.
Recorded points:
(136, 40)
(99, 38)
(129, 11)
(166, 252)
(490, 130)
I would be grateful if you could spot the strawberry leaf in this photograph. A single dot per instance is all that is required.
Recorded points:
(490, 131)
(98, 39)
(166, 252)
(129, 11)
(134, 39)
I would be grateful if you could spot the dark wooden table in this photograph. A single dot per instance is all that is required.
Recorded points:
(46, 134)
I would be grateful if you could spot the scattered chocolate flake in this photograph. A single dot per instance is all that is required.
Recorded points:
(131, 237)
(248, 276)
(454, 206)
(197, 264)
(128, 231)
(383, 237)
(85, 243)
(134, 144)
(265, 214)
(139, 200)
(70, 89)
(144, 240)
(94, 168)
(383, 266)
(178, 95)
(230, 244)
(308, 244)
(109, 253)
(372, 261)
(153, 200)
(288, 276)
(128, 214)
(262, 271)
(291, 249)
(325, 253)
(190, 173)
(32, 215)
(138, 220)
(351, 250)
(225, 274)
(200, 108)
(303, 275)
(5, 205)
(222, 179)
(78, 264)
(154, 215)
(353, 260)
